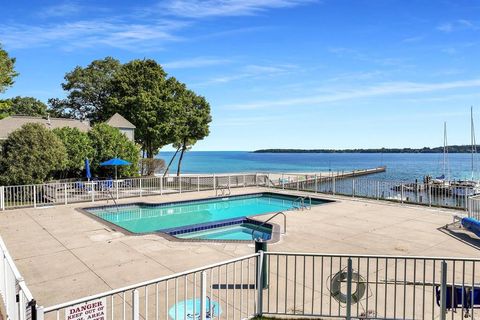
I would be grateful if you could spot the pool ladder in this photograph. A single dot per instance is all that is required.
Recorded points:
(266, 221)
(223, 190)
(300, 204)
(113, 198)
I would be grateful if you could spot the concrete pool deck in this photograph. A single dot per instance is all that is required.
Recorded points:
(63, 254)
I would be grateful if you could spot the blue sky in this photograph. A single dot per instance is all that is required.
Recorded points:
(277, 73)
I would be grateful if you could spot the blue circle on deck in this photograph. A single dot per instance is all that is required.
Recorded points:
(187, 306)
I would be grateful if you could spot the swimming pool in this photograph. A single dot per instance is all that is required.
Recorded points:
(242, 232)
(164, 217)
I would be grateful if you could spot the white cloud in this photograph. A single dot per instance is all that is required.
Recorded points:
(446, 27)
(60, 10)
(383, 89)
(209, 8)
(252, 71)
(449, 50)
(89, 33)
(413, 39)
(372, 57)
(458, 25)
(197, 62)
(141, 28)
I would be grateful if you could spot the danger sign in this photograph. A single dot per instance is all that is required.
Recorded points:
(92, 310)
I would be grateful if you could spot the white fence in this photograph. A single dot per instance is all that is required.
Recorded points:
(370, 287)
(299, 285)
(17, 300)
(48, 194)
(226, 290)
(474, 207)
(430, 194)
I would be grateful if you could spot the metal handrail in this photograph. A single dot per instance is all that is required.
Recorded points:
(109, 192)
(266, 221)
(301, 202)
(309, 202)
(223, 189)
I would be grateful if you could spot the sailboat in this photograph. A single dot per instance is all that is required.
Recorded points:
(441, 184)
(469, 187)
(445, 177)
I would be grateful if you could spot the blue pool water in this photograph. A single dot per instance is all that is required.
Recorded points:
(143, 218)
(190, 309)
(243, 231)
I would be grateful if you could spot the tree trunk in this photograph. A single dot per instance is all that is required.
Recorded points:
(170, 163)
(150, 154)
(142, 169)
(184, 147)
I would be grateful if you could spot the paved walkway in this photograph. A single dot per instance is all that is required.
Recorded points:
(64, 254)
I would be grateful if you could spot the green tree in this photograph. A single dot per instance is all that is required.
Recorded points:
(7, 70)
(192, 122)
(78, 147)
(27, 106)
(143, 94)
(31, 154)
(139, 90)
(89, 90)
(109, 142)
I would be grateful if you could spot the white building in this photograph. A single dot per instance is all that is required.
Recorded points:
(12, 123)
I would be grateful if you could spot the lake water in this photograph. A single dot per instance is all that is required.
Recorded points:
(401, 166)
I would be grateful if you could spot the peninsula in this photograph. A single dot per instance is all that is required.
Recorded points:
(451, 149)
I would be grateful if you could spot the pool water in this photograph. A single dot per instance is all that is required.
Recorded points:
(144, 218)
(190, 309)
(244, 231)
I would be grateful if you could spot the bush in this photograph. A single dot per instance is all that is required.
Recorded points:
(78, 147)
(149, 167)
(109, 142)
(31, 154)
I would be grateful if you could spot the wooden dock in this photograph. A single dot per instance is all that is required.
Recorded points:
(291, 179)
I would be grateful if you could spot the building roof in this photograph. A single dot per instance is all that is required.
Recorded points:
(12, 123)
(117, 121)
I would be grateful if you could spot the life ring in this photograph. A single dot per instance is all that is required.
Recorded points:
(336, 282)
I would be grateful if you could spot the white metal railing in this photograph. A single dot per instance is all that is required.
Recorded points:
(16, 298)
(370, 287)
(57, 193)
(430, 194)
(225, 290)
(474, 207)
(299, 285)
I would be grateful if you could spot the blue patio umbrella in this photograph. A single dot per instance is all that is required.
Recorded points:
(88, 174)
(115, 162)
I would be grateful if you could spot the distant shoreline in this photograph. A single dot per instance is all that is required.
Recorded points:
(451, 149)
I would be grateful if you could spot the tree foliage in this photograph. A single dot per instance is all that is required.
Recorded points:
(109, 142)
(7, 70)
(89, 90)
(192, 122)
(27, 106)
(31, 154)
(78, 148)
(143, 94)
(141, 91)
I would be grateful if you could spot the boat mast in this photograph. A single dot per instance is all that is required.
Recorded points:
(473, 142)
(445, 152)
